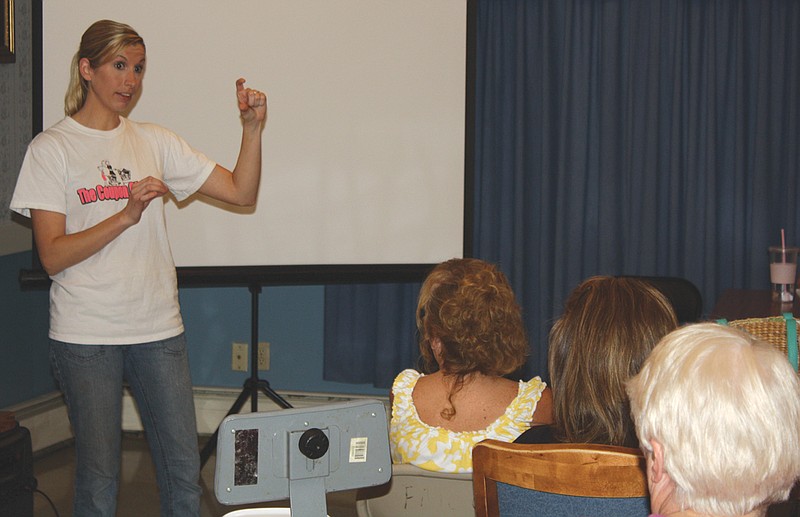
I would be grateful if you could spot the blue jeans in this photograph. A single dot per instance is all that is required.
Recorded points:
(91, 378)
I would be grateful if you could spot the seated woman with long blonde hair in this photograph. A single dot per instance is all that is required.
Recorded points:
(471, 337)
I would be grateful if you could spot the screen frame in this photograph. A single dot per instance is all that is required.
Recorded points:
(303, 274)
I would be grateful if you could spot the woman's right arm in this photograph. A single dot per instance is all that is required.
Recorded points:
(58, 250)
(543, 415)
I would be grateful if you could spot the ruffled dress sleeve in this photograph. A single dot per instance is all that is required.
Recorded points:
(404, 423)
(519, 414)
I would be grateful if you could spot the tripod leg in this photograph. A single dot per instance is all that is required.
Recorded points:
(268, 391)
(211, 444)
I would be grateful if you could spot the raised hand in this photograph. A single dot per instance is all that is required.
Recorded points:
(252, 103)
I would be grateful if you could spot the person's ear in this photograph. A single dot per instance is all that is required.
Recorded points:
(656, 464)
(436, 348)
(85, 69)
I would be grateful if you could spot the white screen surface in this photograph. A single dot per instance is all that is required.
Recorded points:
(364, 146)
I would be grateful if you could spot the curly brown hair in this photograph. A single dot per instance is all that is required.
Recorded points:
(609, 327)
(468, 305)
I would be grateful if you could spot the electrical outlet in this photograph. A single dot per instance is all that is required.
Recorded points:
(263, 356)
(239, 357)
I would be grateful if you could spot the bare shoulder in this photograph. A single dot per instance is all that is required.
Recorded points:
(430, 397)
(480, 394)
(507, 385)
(428, 386)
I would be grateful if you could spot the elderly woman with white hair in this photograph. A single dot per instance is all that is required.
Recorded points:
(717, 413)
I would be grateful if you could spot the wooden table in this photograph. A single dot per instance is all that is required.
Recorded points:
(736, 304)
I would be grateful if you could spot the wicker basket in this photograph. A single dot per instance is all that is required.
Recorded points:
(773, 330)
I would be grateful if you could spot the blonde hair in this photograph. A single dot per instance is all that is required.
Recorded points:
(607, 330)
(102, 40)
(725, 408)
(469, 306)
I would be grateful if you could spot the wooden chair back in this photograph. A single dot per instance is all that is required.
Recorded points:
(550, 479)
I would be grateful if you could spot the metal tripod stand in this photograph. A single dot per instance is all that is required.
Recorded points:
(252, 385)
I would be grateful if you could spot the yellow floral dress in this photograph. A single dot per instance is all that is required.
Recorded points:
(438, 449)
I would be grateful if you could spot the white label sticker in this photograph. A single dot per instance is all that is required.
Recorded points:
(358, 450)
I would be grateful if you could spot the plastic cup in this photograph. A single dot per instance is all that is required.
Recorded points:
(783, 272)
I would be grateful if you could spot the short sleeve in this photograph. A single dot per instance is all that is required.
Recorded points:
(519, 414)
(524, 405)
(402, 388)
(185, 169)
(42, 178)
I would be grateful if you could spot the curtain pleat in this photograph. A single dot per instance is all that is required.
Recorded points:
(370, 332)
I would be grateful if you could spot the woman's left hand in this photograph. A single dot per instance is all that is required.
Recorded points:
(252, 103)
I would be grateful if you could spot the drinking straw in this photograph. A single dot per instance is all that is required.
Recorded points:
(783, 246)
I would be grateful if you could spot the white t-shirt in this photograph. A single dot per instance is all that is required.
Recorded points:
(127, 292)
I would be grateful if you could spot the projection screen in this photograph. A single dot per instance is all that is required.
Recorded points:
(364, 147)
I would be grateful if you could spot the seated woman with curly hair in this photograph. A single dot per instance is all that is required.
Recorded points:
(471, 337)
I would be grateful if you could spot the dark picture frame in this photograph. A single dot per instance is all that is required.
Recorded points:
(7, 47)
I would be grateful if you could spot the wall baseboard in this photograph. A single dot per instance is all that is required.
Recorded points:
(46, 416)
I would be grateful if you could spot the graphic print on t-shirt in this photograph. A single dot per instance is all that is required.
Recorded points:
(115, 186)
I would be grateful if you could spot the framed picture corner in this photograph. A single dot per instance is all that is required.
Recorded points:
(7, 44)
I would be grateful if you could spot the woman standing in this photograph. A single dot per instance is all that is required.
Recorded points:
(87, 184)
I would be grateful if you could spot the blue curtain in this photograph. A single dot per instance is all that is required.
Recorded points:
(651, 137)
(370, 332)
